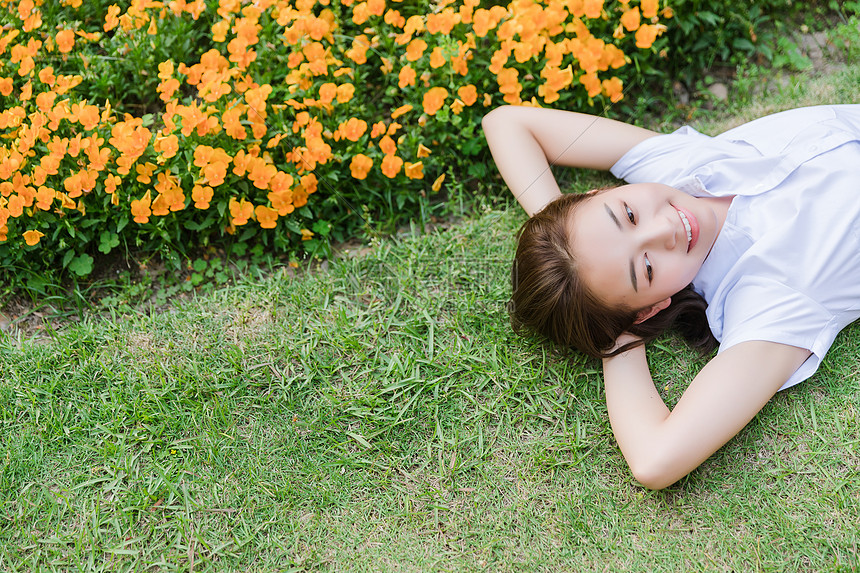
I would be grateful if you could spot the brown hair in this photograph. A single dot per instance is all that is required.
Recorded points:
(550, 299)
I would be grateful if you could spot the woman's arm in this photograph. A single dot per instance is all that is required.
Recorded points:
(662, 446)
(525, 141)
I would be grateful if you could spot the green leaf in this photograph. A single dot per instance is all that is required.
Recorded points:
(82, 265)
(322, 227)
(108, 241)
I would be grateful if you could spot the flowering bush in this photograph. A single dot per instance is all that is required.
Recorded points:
(157, 125)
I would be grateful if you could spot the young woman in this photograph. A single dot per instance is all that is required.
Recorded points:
(750, 238)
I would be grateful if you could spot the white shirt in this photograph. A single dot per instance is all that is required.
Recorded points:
(785, 266)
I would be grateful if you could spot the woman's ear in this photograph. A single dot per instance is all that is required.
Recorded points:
(647, 313)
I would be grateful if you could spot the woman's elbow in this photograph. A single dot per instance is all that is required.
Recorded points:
(652, 480)
(656, 472)
(500, 116)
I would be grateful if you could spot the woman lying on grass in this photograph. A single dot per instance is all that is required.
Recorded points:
(750, 238)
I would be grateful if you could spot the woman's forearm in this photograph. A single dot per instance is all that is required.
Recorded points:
(525, 141)
(661, 446)
(521, 160)
(636, 409)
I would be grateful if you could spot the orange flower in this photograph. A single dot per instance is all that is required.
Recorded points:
(376, 7)
(434, 99)
(391, 165)
(6, 86)
(46, 76)
(328, 91)
(482, 22)
(202, 195)
(266, 217)
(415, 49)
(360, 166)
(646, 35)
(437, 58)
(630, 19)
(231, 119)
(309, 183)
(261, 174)
(378, 128)
(437, 184)
(65, 40)
(345, 92)
(468, 93)
(281, 182)
(508, 85)
(240, 211)
(307, 234)
(140, 208)
(160, 206)
(358, 52)
(144, 173)
(556, 80)
(400, 111)
(406, 77)
(393, 18)
(15, 206)
(593, 8)
(44, 198)
(613, 57)
(387, 145)
(219, 31)
(111, 19)
(214, 173)
(613, 89)
(32, 237)
(443, 22)
(166, 146)
(167, 88)
(360, 13)
(591, 83)
(300, 197)
(111, 183)
(415, 170)
(353, 128)
(423, 151)
(87, 115)
(649, 8)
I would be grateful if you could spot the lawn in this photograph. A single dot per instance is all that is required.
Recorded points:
(379, 414)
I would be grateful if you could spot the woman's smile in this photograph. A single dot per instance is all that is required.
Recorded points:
(691, 226)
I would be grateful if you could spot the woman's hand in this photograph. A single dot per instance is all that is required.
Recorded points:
(625, 338)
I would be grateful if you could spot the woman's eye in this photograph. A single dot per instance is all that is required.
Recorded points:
(629, 214)
(648, 270)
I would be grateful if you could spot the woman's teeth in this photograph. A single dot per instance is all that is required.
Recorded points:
(687, 227)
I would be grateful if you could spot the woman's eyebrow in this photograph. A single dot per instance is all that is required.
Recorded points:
(632, 267)
(612, 215)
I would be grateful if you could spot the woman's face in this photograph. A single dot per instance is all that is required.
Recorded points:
(637, 245)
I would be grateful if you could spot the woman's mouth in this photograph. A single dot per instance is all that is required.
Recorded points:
(691, 226)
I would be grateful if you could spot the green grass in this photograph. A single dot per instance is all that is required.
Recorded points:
(381, 415)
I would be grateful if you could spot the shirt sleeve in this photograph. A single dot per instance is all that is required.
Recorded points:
(784, 316)
(660, 159)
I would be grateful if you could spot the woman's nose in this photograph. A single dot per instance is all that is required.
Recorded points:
(660, 233)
